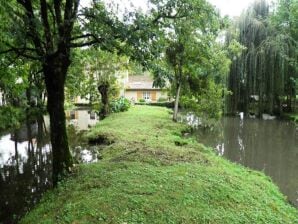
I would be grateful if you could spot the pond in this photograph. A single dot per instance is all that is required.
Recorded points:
(270, 146)
(26, 161)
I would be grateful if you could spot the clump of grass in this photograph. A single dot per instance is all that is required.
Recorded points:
(147, 177)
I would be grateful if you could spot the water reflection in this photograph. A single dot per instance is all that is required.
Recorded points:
(82, 119)
(26, 162)
(269, 146)
(25, 168)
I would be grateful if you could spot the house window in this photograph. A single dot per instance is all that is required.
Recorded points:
(146, 95)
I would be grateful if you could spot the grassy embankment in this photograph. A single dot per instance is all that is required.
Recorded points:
(151, 174)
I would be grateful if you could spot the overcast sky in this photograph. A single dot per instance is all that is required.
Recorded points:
(231, 7)
(226, 7)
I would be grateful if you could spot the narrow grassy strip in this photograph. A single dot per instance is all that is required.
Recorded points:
(150, 173)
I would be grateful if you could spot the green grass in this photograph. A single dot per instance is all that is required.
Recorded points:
(151, 174)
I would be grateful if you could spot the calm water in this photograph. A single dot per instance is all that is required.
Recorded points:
(268, 146)
(26, 162)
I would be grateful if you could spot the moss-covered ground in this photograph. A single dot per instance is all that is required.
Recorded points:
(151, 174)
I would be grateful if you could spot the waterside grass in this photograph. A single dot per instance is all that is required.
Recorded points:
(151, 173)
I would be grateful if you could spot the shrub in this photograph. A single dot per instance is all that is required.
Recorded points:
(162, 99)
(142, 100)
(119, 105)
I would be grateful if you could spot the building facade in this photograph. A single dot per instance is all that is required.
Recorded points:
(140, 88)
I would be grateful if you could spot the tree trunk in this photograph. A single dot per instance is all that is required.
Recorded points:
(104, 92)
(28, 96)
(55, 71)
(175, 115)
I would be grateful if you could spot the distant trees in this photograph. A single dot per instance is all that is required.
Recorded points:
(263, 77)
(190, 59)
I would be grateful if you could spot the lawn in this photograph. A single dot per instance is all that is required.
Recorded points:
(150, 173)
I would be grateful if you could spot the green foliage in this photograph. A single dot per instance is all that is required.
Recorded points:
(291, 116)
(267, 64)
(168, 104)
(142, 100)
(120, 105)
(208, 104)
(151, 174)
(162, 99)
(10, 117)
(191, 53)
(96, 68)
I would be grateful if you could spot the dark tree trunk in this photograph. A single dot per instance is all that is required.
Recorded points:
(39, 100)
(104, 92)
(55, 73)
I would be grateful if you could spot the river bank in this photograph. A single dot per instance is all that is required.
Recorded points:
(150, 173)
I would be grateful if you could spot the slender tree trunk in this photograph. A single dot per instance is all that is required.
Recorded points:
(55, 73)
(28, 95)
(175, 115)
(104, 92)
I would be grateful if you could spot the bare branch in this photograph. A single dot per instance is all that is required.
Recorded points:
(94, 40)
(83, 44)
(83, 36)
(57, 6)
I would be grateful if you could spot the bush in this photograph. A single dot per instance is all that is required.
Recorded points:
(142, 100)
(168, 104)
(120, 105)
(162, 99)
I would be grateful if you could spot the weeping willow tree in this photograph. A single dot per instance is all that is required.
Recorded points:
(260, 78)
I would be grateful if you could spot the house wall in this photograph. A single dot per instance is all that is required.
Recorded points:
(136, 95)
(80, 100)
(131, 95)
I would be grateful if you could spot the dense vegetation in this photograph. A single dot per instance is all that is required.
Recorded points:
(150, 173)
(54, 51)
(263, 78)
(46, 34)
(175, 40)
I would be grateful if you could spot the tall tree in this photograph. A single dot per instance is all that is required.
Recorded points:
(188, 45)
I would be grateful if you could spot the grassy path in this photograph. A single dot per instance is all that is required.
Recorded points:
(151, 174)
